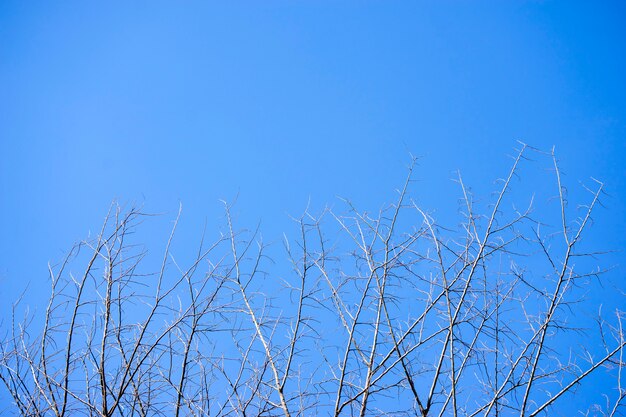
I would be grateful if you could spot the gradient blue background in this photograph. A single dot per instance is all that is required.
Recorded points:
(156, 103)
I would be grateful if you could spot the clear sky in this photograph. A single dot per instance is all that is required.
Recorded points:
(275, 103)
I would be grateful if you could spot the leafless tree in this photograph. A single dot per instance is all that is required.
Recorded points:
(369, 314)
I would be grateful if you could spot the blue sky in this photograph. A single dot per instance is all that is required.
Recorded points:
(278, 103)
